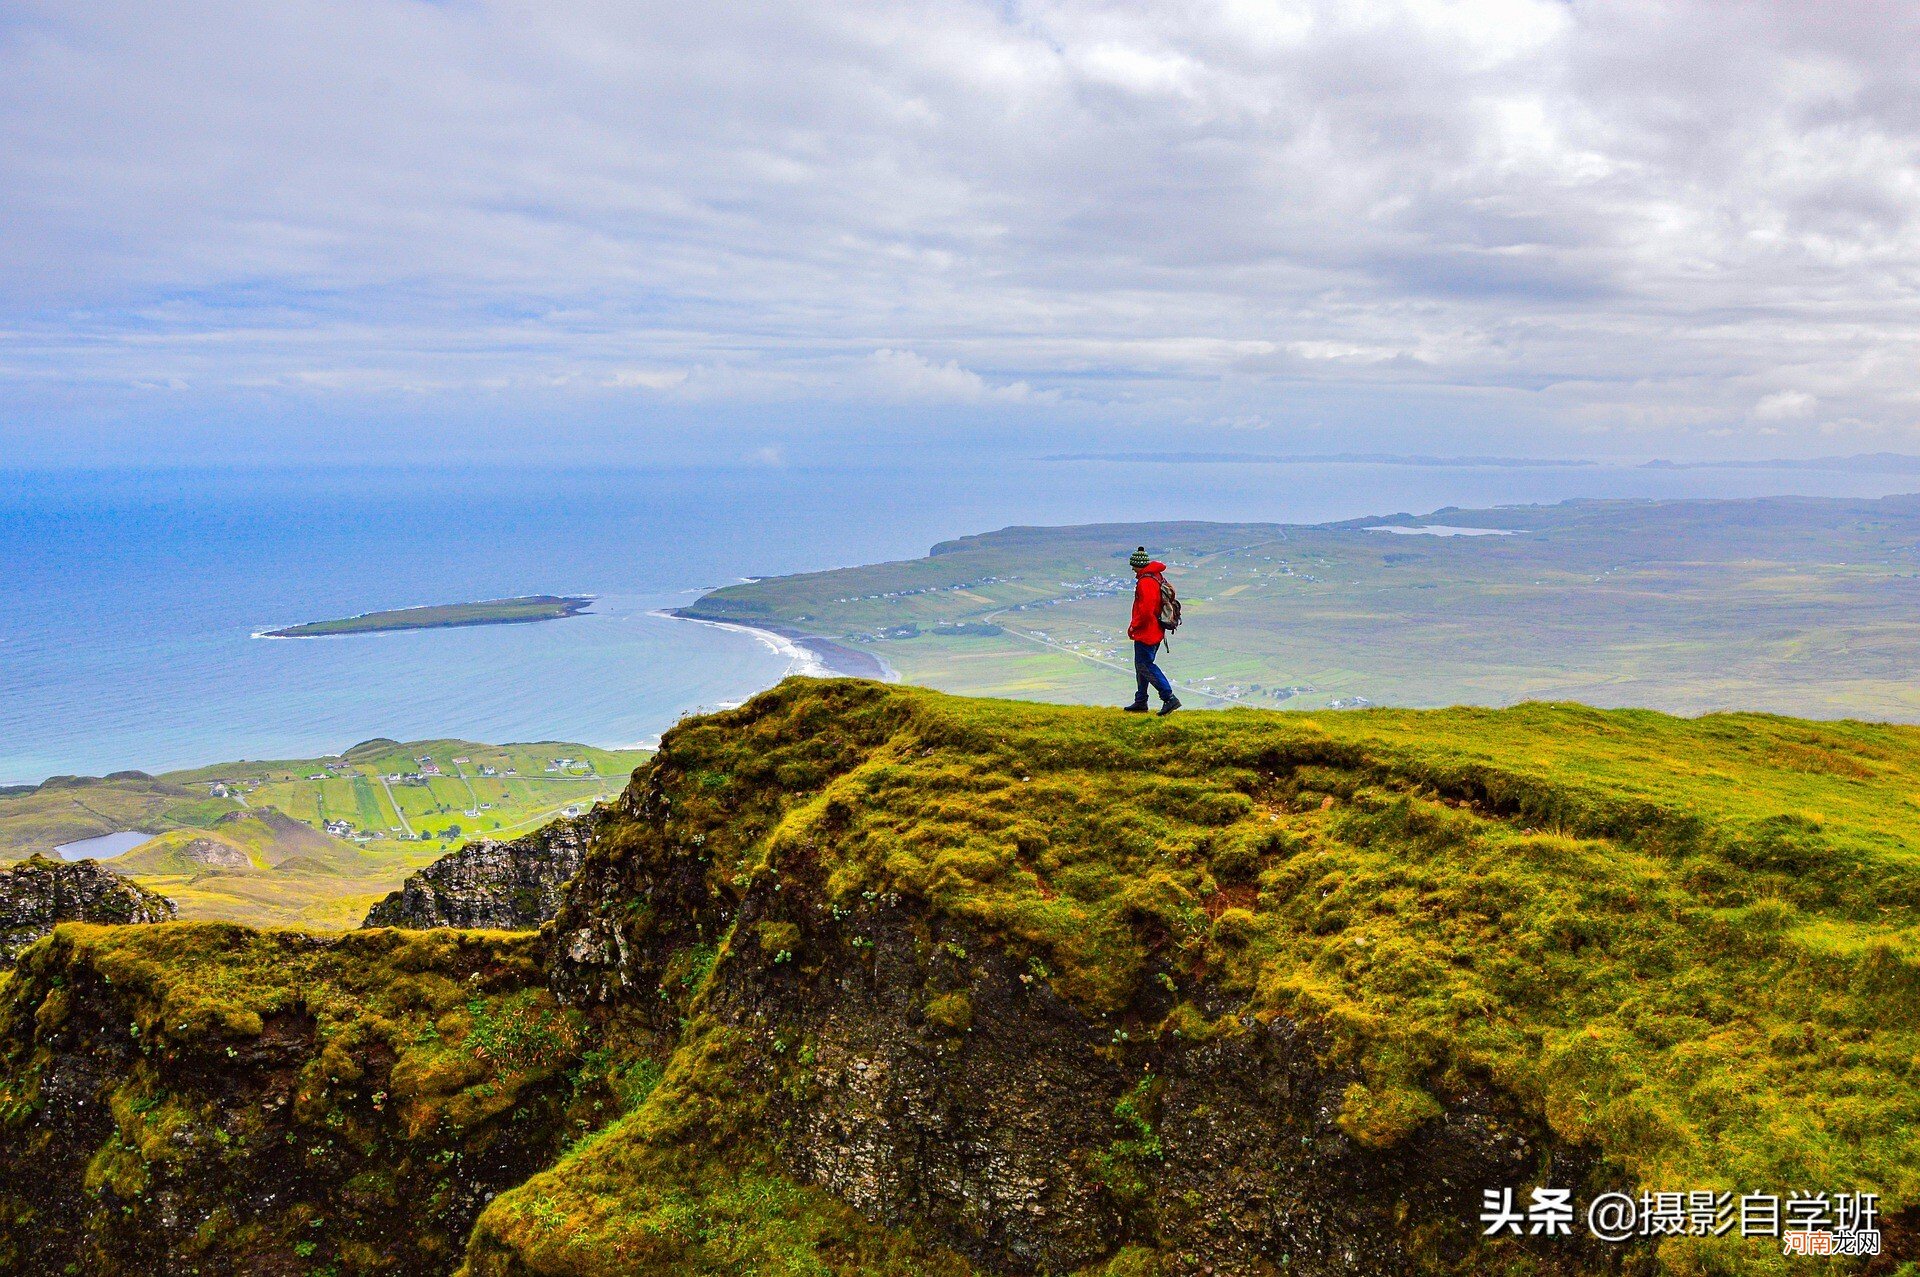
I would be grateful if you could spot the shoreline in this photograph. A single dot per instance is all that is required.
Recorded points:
(809, 654)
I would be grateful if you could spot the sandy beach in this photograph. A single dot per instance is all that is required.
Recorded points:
(807, 654)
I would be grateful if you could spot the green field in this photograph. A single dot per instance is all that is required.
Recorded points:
(532, 607)
(249, 841)
(1800, 606)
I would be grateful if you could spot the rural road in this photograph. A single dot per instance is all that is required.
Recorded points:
(400, 815)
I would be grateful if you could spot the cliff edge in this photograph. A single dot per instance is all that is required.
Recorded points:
(37, 893)
(858, 979)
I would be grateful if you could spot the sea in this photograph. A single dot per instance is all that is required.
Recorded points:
(130, 599)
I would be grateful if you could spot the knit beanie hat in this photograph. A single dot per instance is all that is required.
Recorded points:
(1139, 559)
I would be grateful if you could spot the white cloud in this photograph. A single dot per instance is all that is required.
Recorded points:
(913, 376)
(1785, 405)
(647, 378)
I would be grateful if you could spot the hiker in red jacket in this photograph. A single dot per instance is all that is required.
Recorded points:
(1146, 632)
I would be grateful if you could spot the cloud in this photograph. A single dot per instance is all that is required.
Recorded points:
(1641, 218)
(1785, 405)
(912, 376)
(647, 379)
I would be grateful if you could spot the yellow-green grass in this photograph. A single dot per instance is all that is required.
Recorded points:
(349, 876)
(71, 809)
(1692, 945)
(262, 867)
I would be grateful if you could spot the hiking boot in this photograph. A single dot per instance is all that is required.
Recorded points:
(1138, 707)
(1171, 704)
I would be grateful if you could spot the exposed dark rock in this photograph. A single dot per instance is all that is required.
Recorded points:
(37, 894)
(1032, 1137)
(496, 886)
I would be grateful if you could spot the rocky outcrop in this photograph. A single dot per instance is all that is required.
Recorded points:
(933, 1077)
(489, 885)
(37, 894)
(202, 1098)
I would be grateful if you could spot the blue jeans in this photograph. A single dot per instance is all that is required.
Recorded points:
(1147, 672)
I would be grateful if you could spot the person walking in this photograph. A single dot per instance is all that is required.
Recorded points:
(1147, 632)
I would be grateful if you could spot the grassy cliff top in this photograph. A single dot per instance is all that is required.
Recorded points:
(1693, 944)
(1688, 950)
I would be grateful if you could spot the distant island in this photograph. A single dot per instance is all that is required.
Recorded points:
(531, 607)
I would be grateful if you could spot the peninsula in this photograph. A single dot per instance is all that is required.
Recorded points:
(531, 607)
(1792, 605)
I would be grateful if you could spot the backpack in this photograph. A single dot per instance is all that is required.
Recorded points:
(1169, 606)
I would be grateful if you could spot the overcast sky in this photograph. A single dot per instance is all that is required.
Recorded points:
(363, 227)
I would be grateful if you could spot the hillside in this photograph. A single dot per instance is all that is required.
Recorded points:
(249, 841)
(259, 864)
(877, 980)
(252, 839)
(63, 809)
(1797, 606)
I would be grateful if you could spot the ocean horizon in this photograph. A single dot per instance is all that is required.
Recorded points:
(132, 597)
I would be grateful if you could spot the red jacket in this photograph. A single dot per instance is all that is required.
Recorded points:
(1145, 625)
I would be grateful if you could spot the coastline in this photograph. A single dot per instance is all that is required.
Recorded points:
(810, 654)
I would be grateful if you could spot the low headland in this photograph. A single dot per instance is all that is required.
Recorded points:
(1679, 605)
(530, 607)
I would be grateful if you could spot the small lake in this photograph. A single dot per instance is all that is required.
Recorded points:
(105, 847)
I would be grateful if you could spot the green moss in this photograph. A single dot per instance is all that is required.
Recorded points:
(950, 1011)
(678, 1188)
(1676, 940)
(1129, 1261)
(778, 938)
(1380, 1116)
(1126, 1164)
(1690, 947)
(357, 1074)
